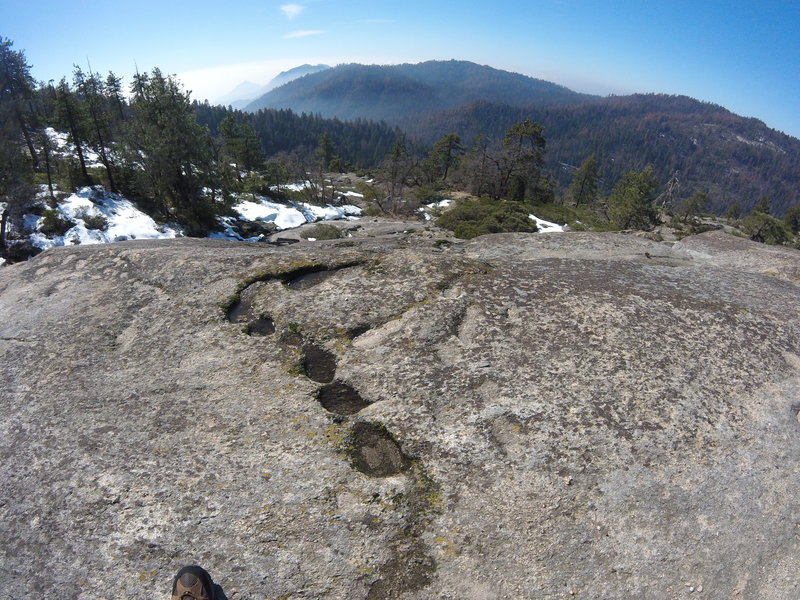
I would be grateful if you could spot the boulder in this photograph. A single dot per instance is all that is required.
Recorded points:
(587, 415)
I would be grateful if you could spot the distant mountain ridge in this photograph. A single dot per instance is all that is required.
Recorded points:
(705, 146)
(244, 93)
(391, 92)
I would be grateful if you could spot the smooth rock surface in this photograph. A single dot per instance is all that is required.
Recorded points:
(575, 415)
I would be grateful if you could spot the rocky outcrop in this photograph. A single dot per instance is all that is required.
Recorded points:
(403, 417)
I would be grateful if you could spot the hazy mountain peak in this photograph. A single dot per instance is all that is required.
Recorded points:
(247, 91)
(389, 92)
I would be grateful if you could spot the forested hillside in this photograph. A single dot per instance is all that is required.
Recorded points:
(701, 146)
(360, 143)
(705, 146)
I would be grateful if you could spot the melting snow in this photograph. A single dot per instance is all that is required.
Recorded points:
(284, 216)
(125, 221)
(547, 226)
(297, 187)
(443, 203)
(60, 142)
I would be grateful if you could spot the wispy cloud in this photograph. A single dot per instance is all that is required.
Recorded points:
(304, 33)
(292, 10)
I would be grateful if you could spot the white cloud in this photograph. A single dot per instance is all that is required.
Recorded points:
(304, 33)
(292, 10)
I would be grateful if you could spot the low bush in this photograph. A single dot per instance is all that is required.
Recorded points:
(96, 222)
(761, 227)
(479, 216)
(53, 224)
(322, 231)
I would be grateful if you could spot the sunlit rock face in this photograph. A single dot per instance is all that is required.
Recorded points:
(403, 417)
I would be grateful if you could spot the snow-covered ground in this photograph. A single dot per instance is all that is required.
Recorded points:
(125, 221)
(90, 207)
(283, 215)
(59, 140)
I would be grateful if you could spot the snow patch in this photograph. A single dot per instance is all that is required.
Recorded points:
(61, 143)
(547, 226)
(330, 213)
(297, 187)
(125, 221)
(443, 203)
(284, 216)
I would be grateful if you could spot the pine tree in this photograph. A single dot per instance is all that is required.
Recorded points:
(91, 93)
(520, 161)
(174, 152)
(583, 189)
(764, 205)
(70, 114)
(443, 157)
(16, 158)
(16, 92)
(631, 202)
(792, 218)
(240, 145)
(326, 152)
(694, 205)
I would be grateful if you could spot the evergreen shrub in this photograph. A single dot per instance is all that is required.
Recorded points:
(478, 216)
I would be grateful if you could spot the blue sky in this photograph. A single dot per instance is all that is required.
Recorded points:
(742, 54)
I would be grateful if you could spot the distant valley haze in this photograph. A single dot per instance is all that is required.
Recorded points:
(741, 55)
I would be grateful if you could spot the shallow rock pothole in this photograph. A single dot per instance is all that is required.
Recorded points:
(341, 398)
(241, 309)
(307, 280)
(261, 326)
(358, 330)
(318, 364)
(375, 452)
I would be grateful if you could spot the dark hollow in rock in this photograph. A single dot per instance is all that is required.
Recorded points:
(251, 229)
(241, 309)
(358, 330)
(375, 452)
(408, 570)
(304, 279)
(308, 280)
(341, 399)
(261, 326)
(319, 364)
